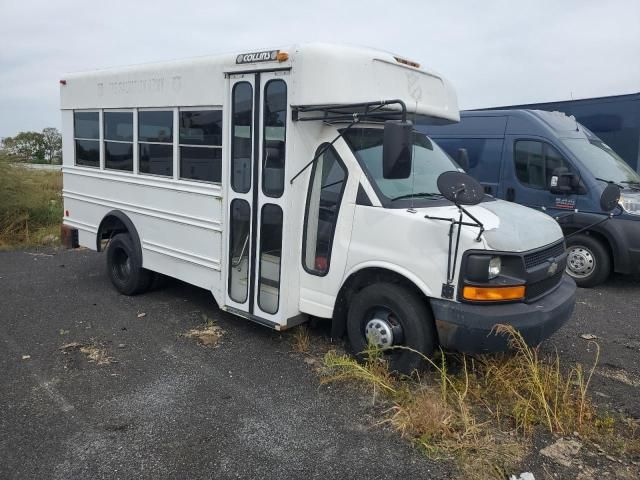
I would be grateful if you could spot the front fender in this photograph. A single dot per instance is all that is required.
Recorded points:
(409, 275)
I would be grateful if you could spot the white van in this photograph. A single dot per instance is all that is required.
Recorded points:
(260, 177)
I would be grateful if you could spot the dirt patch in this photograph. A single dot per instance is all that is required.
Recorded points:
(619, 375)
(563, 451)
(94, 353)
(208, 335)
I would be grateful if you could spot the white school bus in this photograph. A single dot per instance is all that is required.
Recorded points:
(290, 184)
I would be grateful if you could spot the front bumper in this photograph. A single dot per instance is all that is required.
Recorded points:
(469, 328)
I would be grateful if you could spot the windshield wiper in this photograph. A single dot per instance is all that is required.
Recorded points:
(610, 182)
(417, 194)
(633, 184)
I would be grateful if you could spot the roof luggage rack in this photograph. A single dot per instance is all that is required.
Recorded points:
(349, 111)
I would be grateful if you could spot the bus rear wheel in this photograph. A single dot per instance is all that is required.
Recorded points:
(388, 315)
(125, 268)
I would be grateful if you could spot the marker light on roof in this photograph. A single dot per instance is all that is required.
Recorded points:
(63, 82)
(404, 61)
(282, 56)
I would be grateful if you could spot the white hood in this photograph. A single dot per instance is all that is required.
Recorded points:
(513, 228)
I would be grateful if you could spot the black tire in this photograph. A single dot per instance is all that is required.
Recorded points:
(407, 309)
(125, 266)
(588, 261)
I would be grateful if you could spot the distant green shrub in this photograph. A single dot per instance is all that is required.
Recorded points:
(30, 205)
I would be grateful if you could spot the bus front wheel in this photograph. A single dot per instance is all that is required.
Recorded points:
(395, 319)
(125, 268)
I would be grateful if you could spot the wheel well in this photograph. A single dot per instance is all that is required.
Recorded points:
(117, 222)
(109, 227)
(356, 282)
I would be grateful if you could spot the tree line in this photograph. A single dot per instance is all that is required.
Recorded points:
(33, 147)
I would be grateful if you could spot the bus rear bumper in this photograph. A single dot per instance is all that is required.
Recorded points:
(470, 328)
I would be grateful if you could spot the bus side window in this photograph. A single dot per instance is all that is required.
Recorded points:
(86, 133)
(328, 180)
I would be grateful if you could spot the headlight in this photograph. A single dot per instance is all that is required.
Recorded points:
(630, 204)
(480, 268)
(495, 265)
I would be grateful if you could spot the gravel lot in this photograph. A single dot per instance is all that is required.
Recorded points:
(167, 407)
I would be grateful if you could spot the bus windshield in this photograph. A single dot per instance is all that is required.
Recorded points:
(602, 161)
(429, 161)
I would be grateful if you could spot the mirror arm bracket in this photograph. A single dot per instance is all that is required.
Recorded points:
(608, 216)
(356, 119)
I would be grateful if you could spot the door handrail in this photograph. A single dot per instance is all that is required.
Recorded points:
(244, 247)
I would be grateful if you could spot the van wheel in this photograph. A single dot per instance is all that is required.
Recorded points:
(125, 268)
(387, 315)
(588, 261)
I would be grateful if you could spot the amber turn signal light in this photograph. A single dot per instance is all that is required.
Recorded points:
(493, 294)
(282, 56)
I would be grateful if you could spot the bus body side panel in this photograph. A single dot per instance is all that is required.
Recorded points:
(180, 230)
(318, 293)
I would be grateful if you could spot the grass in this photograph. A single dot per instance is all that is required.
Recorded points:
(301, 340)
(482, 411)
(30, 205)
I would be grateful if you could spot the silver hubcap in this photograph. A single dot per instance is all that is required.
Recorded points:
(379, 333)
(580, 262)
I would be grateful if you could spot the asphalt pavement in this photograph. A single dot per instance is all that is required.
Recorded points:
(164, 406)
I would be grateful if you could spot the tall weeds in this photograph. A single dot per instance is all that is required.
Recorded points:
(30, 205)
(480, 410)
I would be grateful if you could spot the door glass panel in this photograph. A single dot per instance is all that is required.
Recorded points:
(326, 187)
(274, 122)
(239, 240)
(530, 163)
(553, 161)
(270, 256)
(241, 145)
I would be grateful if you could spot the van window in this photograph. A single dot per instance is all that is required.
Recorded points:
(601, 160)
(328, 179)
(485, 155)
(535, 162)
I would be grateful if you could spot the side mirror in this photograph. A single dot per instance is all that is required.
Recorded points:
(563, 182)
(397, 149)
(462, 158)
(610, 197)
(460, 188)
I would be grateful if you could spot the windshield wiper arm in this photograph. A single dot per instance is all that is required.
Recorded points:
(417, 194)
(610, 182)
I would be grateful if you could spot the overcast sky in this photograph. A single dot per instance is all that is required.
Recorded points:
(494, 52)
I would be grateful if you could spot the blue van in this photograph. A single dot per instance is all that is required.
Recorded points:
(547, 160)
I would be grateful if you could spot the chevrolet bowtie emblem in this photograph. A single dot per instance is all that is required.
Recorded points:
(553, 268)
